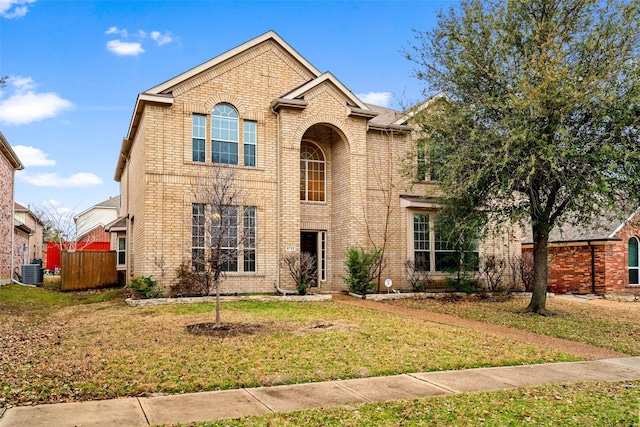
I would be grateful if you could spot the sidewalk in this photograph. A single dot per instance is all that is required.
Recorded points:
(255, 401)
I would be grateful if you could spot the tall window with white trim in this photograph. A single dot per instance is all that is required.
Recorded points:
(224, 134)
(634, 278)
(249, 230)
(198, 127)
(250, 139)
(312, 173)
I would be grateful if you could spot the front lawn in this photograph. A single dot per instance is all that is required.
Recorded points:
(63, 347)
(606, 324)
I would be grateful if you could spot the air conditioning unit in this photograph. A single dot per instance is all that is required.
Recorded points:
(32, 274)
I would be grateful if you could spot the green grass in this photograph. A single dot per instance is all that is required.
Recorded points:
(581, 404)
(606, 324)
(67, 347)
(41, 300)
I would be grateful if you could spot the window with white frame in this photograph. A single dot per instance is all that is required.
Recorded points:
(225, 234)
(430, 161)
(198, 236)
(312, 173)
(198, 127)
(224, 134)
(231, 236)
(249, 230)
(421, 242)
(634, 278)
(122, 251)
(250, 140)
(433, 247)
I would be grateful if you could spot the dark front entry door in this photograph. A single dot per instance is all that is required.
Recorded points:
(309, 244)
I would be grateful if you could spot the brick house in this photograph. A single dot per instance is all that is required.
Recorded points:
(9, 164)
(29, 241)
(599, 259)
(319, 170)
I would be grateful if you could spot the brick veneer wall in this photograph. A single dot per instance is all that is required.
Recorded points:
(159, 179)
(6, 218)
(570, 264)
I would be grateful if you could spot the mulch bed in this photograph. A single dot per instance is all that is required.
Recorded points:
(225, 330)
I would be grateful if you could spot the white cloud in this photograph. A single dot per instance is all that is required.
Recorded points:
(14, 8)
(131, 45)
(161, 38)
(27, 106)
(31, 156)
(122, 48)
(381, 99)
(81, 179)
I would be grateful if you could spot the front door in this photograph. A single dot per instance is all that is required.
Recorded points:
(309, 244)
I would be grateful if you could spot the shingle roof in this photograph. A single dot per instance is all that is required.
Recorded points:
(604, 228)
(385, 116)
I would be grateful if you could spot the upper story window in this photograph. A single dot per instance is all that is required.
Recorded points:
(430, 157)
(633, 261)
(250, 137)
(198, 128)
(312, 173)
(224, 134)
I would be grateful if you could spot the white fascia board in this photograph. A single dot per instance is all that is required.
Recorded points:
(419, 107)
(321, 79)
(166, 86)
(619, 227)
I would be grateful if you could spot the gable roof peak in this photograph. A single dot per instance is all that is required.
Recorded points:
(168, 85)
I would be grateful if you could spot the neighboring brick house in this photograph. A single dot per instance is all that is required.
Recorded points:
(599, 259)
(9, 164)
(29, 236)
(314, 162)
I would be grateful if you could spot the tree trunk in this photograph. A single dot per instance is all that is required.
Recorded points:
(538, 302)
(218, 323)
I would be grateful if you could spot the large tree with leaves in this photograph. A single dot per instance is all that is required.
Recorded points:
(542, 122)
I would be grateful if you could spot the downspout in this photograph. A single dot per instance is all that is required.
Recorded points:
(282, 291)
(593, 268)
(13, 231)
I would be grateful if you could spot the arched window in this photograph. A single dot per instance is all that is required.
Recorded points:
(633, 261)
(312, 175)
(224, 134)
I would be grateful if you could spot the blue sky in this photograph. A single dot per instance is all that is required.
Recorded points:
(76, 67)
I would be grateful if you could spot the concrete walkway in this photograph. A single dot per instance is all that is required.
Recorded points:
(146, 411)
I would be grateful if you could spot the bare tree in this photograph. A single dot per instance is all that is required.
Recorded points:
(219, 229)
(302, 269)
(60, 227)
(493, 269)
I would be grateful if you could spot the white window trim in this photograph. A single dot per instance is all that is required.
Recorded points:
(630, 268)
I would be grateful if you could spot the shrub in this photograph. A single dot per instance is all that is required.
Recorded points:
(493, 269)
(302, 269)
(144, 287)
(419, 279)
(362, 268)
(462, 284)
(188, 282)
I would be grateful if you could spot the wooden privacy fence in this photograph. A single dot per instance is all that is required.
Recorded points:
(88, 270)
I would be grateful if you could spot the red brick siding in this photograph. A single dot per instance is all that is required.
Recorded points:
(570, 265)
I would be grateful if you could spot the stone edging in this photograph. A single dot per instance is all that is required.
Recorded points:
(195, 300)
(433, 295)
